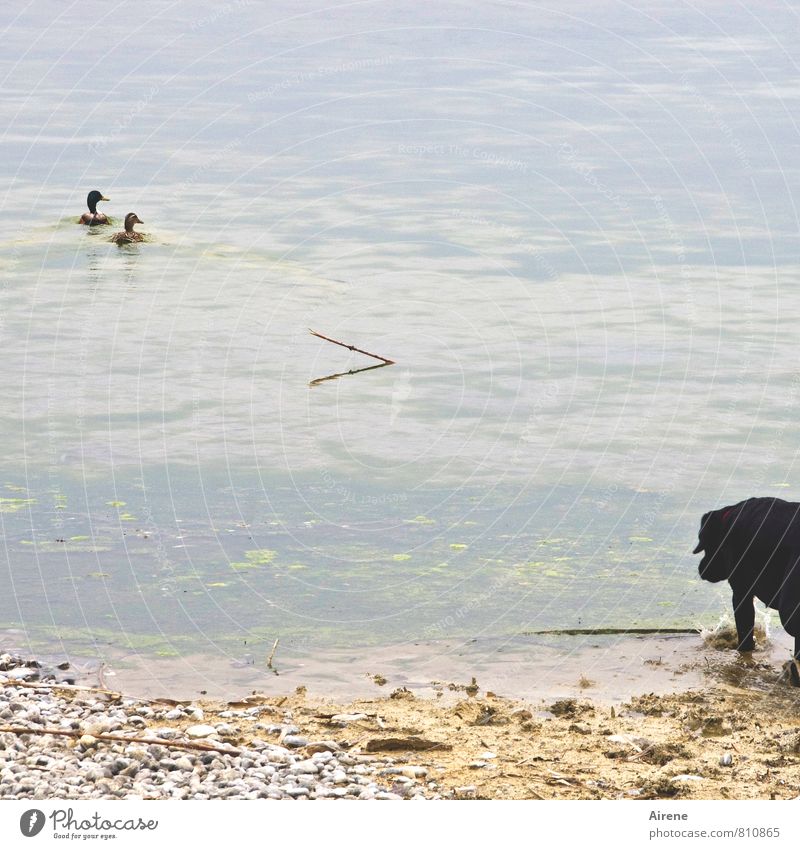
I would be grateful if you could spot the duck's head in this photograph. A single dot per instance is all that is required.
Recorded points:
(130, 219)
(93, 198)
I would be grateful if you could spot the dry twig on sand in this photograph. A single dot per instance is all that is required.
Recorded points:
(120, 738)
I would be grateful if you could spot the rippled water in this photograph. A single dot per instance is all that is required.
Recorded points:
(574, 231)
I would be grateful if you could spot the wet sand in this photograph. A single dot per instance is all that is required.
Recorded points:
(608, 669)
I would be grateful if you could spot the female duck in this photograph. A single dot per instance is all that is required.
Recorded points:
(128, 235)
(93, 216)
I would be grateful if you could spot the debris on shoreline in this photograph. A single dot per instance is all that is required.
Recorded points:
(736, 738)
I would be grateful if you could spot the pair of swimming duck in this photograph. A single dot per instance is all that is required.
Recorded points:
(93, 217)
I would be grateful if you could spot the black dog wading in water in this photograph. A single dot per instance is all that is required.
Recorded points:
(755, 546)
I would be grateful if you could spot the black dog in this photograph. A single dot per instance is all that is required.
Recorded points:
(755, 546)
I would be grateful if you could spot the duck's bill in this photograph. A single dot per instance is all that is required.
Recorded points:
(104, 198)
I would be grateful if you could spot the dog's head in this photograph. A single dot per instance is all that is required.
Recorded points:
(717, 564)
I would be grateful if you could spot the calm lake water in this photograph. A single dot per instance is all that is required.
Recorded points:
(574, 231)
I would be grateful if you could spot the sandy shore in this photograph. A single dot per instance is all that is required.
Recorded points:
(738, 740)
(732, 731)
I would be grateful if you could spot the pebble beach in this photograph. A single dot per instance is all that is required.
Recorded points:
(103, 745)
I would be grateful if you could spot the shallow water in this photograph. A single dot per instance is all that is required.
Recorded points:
(574, 232)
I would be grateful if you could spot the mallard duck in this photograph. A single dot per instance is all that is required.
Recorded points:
(93, 216)
(127, 235)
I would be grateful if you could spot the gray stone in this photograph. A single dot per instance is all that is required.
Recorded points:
(23, 673)
(295, 792)
(199, 731)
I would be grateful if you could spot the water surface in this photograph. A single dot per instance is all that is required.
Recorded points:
(573, 230)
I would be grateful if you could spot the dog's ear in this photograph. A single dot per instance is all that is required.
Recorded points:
(710, 527)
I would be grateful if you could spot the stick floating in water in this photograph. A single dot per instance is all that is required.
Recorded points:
(351, 347)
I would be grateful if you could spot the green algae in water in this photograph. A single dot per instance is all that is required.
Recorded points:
(458, 546)
(400, 557)
(12, 505)
(255, 558)
(53, 546)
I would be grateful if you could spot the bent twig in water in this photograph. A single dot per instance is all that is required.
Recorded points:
(351, 347)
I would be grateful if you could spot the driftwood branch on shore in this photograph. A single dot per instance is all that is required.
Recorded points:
(577, 632)
(70, 688)
(119, 738)
(351, 347)
(81, 688)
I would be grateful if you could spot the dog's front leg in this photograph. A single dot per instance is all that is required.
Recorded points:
(744, 613)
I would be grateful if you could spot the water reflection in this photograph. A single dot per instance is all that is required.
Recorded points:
(345, 373)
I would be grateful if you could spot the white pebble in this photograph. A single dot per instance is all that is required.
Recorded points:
(200, 730)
